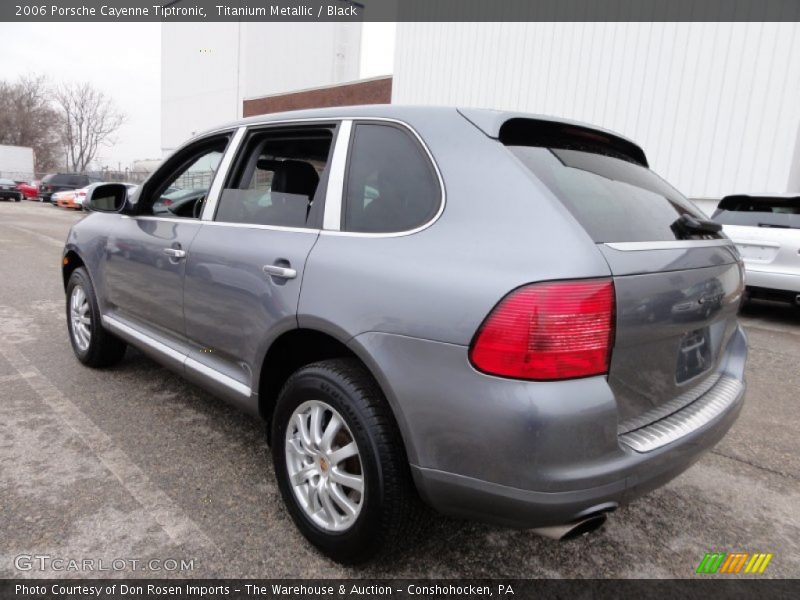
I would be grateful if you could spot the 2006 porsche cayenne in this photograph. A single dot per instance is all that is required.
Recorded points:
(506, 316)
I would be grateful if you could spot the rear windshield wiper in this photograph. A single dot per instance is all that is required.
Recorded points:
(686, 225)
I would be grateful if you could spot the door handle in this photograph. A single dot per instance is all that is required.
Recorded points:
(175, 253)
(282, 272)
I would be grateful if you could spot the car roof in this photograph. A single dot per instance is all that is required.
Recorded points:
(776, 195)
(487, 120)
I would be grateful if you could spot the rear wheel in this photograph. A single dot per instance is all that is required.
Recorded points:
(340, 463)
(92, 343)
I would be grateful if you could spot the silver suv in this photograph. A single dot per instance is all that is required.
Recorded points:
(507, 316)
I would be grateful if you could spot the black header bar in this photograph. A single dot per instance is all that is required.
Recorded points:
(399, 10)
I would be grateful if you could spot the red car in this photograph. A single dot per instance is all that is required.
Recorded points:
(29, 191)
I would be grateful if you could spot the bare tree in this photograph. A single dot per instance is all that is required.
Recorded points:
(28, 118)
(90, 119)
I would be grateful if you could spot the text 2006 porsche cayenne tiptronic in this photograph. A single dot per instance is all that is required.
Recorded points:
(505, 316)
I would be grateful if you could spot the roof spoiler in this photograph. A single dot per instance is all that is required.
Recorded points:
(519, 129)
(732, 200)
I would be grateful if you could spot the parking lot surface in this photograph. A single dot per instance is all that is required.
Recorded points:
(135, 463)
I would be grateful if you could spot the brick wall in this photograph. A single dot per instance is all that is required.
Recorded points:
(372, 91)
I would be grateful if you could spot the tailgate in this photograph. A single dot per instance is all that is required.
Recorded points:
(678, 281)
(676, 312)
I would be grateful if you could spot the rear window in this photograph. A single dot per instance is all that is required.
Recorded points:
(759, 212)
(614, 199)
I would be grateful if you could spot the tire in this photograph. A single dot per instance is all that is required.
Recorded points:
(93, 345)
(389, 510)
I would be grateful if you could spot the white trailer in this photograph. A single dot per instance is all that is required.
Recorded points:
(16, 162)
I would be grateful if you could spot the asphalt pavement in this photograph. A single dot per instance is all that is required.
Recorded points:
(134, 464)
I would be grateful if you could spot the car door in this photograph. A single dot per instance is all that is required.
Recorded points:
(146, 252)
(245, 269)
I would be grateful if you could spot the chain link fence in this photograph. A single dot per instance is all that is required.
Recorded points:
(126, 176)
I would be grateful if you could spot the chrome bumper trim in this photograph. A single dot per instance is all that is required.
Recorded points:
(686, 420)
(667, 408)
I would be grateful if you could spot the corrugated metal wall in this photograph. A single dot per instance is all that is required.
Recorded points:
(716, 106)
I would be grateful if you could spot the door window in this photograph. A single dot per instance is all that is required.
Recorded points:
(179, 188)
(279, 179)
(391, 185)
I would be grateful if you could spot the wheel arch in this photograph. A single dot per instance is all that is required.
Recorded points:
(302, 346)
(71, 261)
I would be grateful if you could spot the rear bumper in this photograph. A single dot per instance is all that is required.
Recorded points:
(525, 454)
(787, 282)
(475, 499)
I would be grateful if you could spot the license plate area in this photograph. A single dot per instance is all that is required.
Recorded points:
(694, 355)
(757, 252)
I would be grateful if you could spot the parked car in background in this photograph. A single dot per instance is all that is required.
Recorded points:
(507, 316)
(80, 195)
(766, 230)
(65, 199)
(30, 191)
(9, 191)
(75, 198)
(59, 182)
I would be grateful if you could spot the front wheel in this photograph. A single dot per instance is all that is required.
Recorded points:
(93, 345)
(340, 463)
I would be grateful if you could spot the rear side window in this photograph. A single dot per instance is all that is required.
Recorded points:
(614, 200)
(759, 212)
(391, 184)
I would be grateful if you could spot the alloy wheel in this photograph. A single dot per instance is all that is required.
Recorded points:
(324, 466)
(80, 317)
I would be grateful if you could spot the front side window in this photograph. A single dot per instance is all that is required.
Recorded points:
(391, 185)
(278, 179)
(179, 188)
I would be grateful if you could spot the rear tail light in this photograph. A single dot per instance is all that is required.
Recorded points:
(548, 331)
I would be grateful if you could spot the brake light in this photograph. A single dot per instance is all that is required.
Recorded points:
(548, 331)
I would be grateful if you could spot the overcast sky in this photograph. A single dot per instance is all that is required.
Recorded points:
(124, 61)
(121, 59)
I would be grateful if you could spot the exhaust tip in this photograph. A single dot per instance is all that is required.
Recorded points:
(575, 529)
(797, 299)
(585, 526)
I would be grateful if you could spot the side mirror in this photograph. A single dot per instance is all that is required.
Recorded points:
(107, 197)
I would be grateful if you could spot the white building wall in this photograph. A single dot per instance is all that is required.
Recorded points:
(716, 106)
(199, 79)
(208, 69)
(284, 57)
